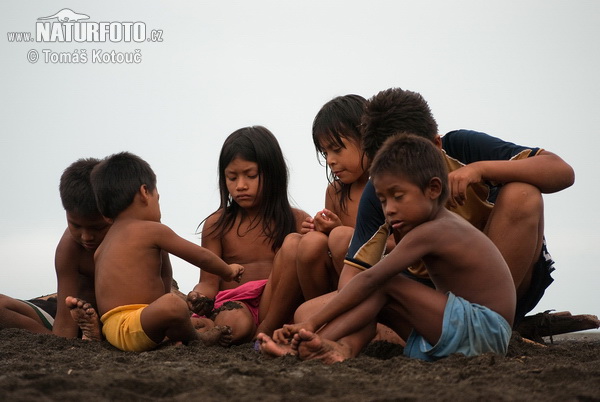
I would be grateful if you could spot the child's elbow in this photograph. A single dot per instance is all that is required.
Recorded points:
(566, 178)
(569, 176)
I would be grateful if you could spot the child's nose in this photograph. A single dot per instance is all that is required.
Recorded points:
(87, 235)
(241, 184)
(389, 209)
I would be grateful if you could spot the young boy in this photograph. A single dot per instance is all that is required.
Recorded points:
(132, 286)
(74, 264)
(472, 307)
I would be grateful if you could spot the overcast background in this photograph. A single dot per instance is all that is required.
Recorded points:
(525, 71)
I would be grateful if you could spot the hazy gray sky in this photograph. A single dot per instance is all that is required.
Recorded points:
(525, 71)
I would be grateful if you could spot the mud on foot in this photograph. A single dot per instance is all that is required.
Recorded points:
(86, 318)
(218, 335)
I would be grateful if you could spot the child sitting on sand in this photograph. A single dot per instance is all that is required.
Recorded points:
(249, 226)
(471, 309)
(132, 285)
(309, 262)
(74, 263)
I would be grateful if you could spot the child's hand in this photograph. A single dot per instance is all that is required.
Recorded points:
(199, 304)
(326, 220)
(236, 273)
(458, 182)
(280, 337)
(283, 335)
(307, 225)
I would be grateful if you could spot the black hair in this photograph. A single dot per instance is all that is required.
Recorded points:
(393, 111)
(414, 158)
(339, 118)
(75, 188)
(257, 144)
(117, 179)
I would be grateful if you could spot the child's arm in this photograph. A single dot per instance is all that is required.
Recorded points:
(66, 262)
(546, 171)
(201, 298)
(327, 219)
(166, 271)
(304, 223)
(168, 240)
(405, 254)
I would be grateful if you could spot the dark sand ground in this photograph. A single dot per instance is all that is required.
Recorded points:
(48, 368)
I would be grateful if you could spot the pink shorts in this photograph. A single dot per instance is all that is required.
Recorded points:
(249, 293)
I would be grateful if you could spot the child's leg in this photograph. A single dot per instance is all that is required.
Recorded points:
(282, 294)
(17, 314)
(236, 316)
(168, 316)
(310, 307)
(315, 268)
(409, 304)
(516, 226)
(338, 243)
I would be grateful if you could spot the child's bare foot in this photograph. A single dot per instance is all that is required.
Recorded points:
(269, 347)
(220, 334)
(311, 346)
(202, 324)
(86, 317)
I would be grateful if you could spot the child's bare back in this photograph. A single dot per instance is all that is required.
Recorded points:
(127, 257)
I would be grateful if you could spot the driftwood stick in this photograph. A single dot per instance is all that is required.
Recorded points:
(548, 324)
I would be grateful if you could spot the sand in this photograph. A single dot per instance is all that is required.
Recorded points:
(48, 368)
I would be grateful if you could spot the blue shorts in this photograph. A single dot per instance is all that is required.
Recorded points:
(540, 280)
(468, 328)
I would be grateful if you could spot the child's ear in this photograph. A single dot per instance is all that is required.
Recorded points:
(434, 189)
(144, 193)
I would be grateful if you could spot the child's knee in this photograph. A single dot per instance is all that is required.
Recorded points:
(4, 301)
(339, 240)
(520, 201)
(313, 245)
(239, 319)
(173, 308)
(291, 241)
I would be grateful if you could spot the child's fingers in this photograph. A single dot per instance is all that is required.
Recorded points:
(279, 336)
(330, 215)
(308, 225)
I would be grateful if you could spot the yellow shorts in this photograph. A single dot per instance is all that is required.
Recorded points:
(122, 327)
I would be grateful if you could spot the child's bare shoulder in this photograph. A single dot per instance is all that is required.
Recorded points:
(211, 221)
(69, 249)
(133, 227)
(333, 192)
(213, 217)
(300, 215)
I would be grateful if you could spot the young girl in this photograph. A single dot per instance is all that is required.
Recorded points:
(321, 251)
(318, 254)
(249, 227)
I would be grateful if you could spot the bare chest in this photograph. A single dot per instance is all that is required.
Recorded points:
(246, 247)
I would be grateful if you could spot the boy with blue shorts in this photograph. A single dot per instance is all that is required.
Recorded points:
(470, 310)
